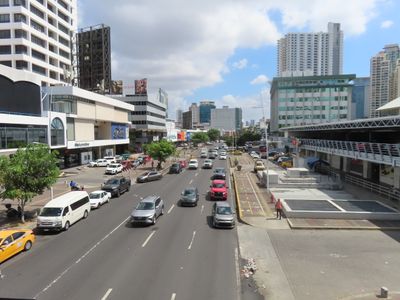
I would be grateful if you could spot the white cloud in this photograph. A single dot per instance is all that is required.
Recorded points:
(387, 24)
(260, 79)
(241, 64)
(183, 46)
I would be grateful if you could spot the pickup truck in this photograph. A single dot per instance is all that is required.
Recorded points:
(117, 185)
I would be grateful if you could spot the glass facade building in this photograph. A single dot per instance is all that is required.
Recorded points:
(205, 111)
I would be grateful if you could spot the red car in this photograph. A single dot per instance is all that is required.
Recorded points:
(218, 190)
(183, 163)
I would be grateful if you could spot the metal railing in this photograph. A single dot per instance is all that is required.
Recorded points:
(376, 152)
(388, 192)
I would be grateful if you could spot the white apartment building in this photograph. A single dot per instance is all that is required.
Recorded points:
(36, 36)
(195, 114)
(383, 78)
(226, 119)
(320, 52)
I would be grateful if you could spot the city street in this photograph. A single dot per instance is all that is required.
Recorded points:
(104, 257)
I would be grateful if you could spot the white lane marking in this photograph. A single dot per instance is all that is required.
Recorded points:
(148, 239)
(255, 194)
(171, 208)
(196, 174)
(191, 242)
(79, 260)
(106, 294)
(202, 208)
(191, 180)
(173, 296)
(238, 287)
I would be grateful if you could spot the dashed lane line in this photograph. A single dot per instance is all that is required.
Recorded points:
(191, 242)
(106, 294)
(148, 239)
(171, 208)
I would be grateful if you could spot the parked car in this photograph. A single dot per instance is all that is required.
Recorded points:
(193, 164)
(175, 168)
(98, 198)
(135, 164)
(281, 159)
(118, 158)
(113, 169)
(223, 215)
(99, 163)
(218, 190)
(149, 176)
(13, 241)
(207, 164)
(259, 166)
(189, 197)
(63, 211)
(219, 173)
(254, 155)
(148, 210)
(117, 185)
(110, 159)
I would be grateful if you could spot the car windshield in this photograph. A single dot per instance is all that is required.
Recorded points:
(145, 174)
(188, 192)
(145, 206)
(51, 212)
(224, 211)
(218, 185)
(219, 171)
(113, 166)
(112, 181)
(94, 196)
(175, 166)
(193, 162)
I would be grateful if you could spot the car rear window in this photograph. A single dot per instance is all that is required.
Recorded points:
(218, 185)
(223, 210)
(145, 206)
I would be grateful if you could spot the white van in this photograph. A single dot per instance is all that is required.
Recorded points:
(61, 212)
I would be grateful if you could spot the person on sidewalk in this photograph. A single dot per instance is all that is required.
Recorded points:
(278, 207)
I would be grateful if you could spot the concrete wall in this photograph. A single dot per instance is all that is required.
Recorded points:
(84, 130)
(104, 112)
(86, 110)
(335, 161)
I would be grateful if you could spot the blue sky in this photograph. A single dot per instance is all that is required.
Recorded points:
(214, 50)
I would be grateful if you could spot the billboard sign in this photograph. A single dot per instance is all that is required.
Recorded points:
(141, 87)
(118, 131)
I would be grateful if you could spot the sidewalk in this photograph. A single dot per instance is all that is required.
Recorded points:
(80, 175)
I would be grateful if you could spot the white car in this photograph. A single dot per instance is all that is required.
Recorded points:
(110, 159)
(99, 163)
(98, 198)
(254, 155)
(193, 164)
(114, 169)
(222, 156)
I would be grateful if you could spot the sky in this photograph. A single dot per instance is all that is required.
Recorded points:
(225, 50)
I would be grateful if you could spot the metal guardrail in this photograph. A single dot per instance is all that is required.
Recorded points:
(388, 192)
(376, 152)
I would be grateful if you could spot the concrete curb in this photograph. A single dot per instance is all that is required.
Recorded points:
(237, 198)
(339, 227)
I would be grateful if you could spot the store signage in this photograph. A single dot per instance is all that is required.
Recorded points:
(82, 144)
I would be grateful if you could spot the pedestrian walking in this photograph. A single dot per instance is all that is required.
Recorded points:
(152, 164)
(278, 207)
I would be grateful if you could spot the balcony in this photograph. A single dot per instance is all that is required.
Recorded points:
(388, 154)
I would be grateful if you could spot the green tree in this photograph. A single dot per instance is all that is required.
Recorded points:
(213, 134)
(229, 141)
(28, 173)
(160, 150)
(248, 136)
(199, 137)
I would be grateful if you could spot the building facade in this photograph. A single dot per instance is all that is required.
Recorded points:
(195, 115)
(35, 36)
(320, 52)
(310, 100)
(93, 47)
(360, 98)
(383, 81)
(179, 118)
(226, 119)
(205, 111)
(187, 120)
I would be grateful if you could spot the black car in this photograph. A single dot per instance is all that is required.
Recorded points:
(219, 173)
(189, 197)
(175, 168)
(117, 185)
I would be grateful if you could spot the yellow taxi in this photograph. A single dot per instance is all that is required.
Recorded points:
(15, 241)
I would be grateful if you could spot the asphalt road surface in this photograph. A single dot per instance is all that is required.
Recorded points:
(104, 257)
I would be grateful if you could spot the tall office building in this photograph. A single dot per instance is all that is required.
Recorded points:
(35, 36)
(226, 119)
(93, 47)
(195, 114)
(319, 53)
(179, 118)
(382, 74)
(205, 111)
(360, 98)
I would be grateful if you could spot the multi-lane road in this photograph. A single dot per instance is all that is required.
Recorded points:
(104, 257)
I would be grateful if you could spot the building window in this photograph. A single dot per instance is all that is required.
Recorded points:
(63, 28)
(5, 34)
(20, 18)
(38, 41)
(63, 16)
(20, 3)
(21, 64)
(37, 26)
(37, 11)
(5, 49)
(19, 33)
(38, 69)
(63, 4)
(38, 55)
(4, 3)
(57, 132)
(53, 75)
(21, 49)
(64, 53)
(7, 63)
(4, 18)
(63, 41)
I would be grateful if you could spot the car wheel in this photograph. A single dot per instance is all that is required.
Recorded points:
(108, 200)
(118, 193)
(85, 214)
(28, 246)
(98, 205)
(154, 219)
(66, 226)
(162, 210)
(129, 187)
